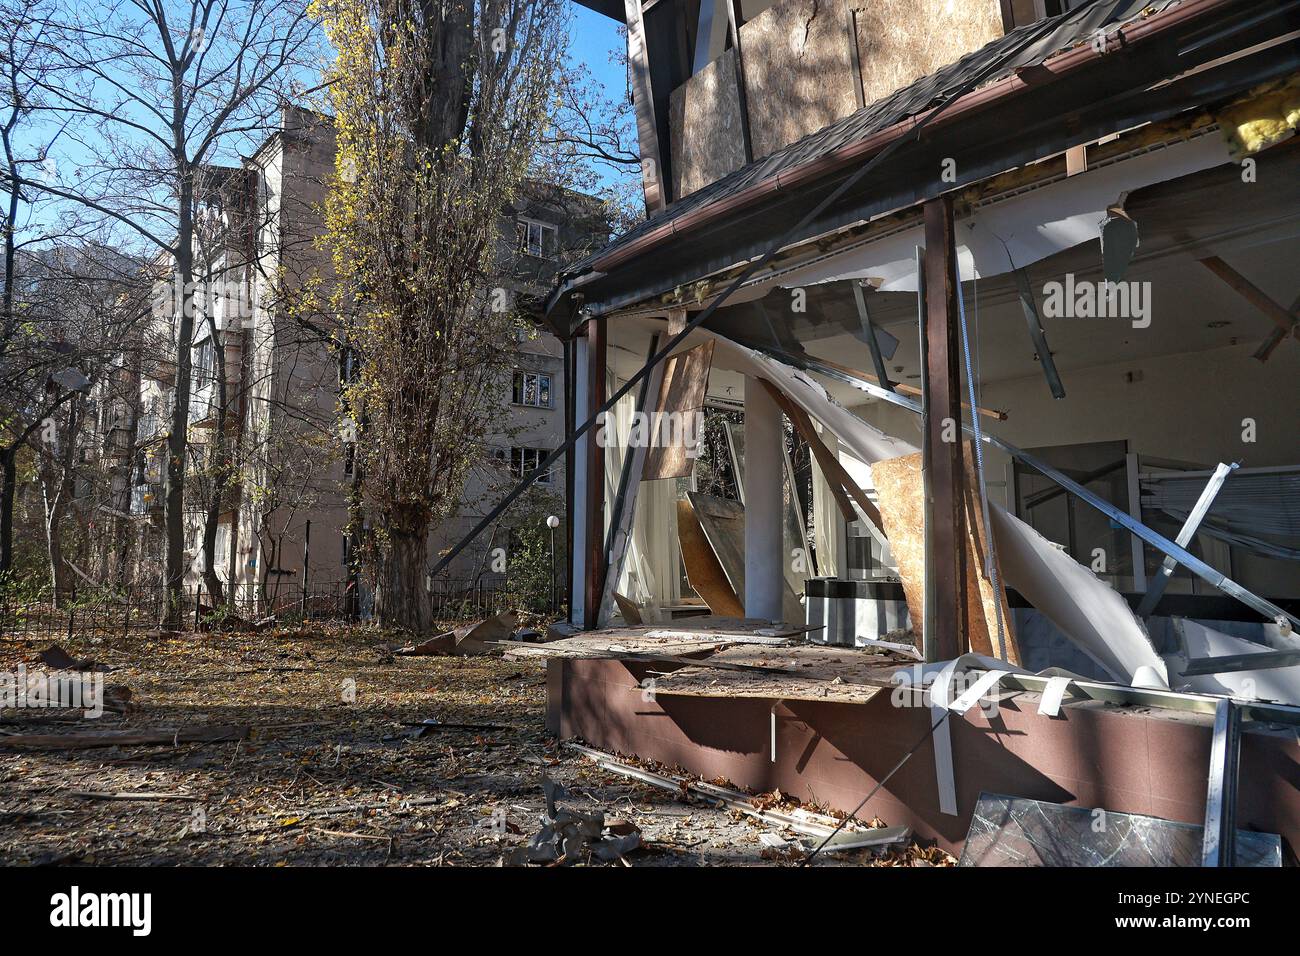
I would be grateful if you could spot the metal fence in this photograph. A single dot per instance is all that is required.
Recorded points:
(45, 614)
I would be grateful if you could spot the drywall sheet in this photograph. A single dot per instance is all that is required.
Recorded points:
(1087, 609)
(708, 104)
(902, 506)
(1022, 229)
(1281, 684)
(678, 415)
(703, 570)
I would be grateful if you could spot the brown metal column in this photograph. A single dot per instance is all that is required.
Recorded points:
(595, 503)
(943, 421)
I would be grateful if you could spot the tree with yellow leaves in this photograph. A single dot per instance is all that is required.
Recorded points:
(439, 107)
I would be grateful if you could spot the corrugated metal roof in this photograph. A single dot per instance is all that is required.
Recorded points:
(1073, 28)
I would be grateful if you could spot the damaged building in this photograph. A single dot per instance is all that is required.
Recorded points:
(991, 308)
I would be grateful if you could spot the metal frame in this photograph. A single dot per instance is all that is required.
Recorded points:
(1219, 846)
(1157, 587)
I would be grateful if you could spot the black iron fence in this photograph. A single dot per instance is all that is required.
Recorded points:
(46, 614)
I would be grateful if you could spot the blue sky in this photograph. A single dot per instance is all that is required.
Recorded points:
(594, 36)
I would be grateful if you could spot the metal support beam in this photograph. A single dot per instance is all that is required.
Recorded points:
(1215, 579)
(594, 505)
(1234, 663)
(1185, 535)
(1036, 334)
(1133, 485)
(941, 428)
(869, 334)
(1220, 841)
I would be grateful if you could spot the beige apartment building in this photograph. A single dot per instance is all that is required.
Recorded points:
(282, 523)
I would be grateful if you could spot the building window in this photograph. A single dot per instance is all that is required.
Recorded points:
(204, 363)
(532, 389)
(523, 461)
(537, 239)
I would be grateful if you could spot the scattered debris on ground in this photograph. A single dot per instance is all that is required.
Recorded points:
(320, 747)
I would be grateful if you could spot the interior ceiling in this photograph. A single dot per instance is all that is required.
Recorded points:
(1253, 226)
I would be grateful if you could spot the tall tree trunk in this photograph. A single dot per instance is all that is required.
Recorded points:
(401, 598)
(9, 465)
(174, 498)
(220, 463)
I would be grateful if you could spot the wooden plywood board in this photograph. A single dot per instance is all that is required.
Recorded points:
(900, 41)
(798, 71)
(902, 505)
(681, 394)
(723, 521)
(708, 106)
(807, 672)
(688, 636)
(703, 570)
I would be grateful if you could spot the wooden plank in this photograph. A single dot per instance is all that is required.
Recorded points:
(941, 427)
(723, 521)
(125, 738)
(801, 672)
(1254, 295)
(839, 480)
(681, 394)
(595, 564)
(652, 166)
(703, 570)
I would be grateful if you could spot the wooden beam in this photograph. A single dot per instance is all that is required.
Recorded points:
(1254, 295)
(942, 436)
(838, 478)
(652, 165)
(1277, 335)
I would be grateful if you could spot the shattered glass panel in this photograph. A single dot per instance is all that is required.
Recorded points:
(1014, 831)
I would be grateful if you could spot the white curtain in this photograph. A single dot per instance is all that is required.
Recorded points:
(828, 522)
(650, 576)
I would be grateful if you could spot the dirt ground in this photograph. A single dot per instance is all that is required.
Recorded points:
(324, 779)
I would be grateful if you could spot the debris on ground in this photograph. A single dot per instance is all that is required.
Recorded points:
(316, 782)
(568, 837)
(58, 659)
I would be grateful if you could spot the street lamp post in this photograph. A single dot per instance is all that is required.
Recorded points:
(553, 522)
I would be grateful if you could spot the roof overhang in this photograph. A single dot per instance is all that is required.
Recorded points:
(1152, 69)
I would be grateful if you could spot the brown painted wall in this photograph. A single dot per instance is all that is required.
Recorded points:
(1132, 761)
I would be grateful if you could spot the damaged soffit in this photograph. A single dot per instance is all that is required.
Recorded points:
(1142, 79)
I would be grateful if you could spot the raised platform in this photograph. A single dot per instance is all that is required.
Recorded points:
(841, 725)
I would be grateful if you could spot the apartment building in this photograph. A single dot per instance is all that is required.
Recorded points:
(282, 519)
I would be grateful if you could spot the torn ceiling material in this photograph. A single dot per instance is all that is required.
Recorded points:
(1087, 609)
(1024, 228)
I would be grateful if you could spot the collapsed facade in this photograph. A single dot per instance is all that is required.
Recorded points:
(1021, 287)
